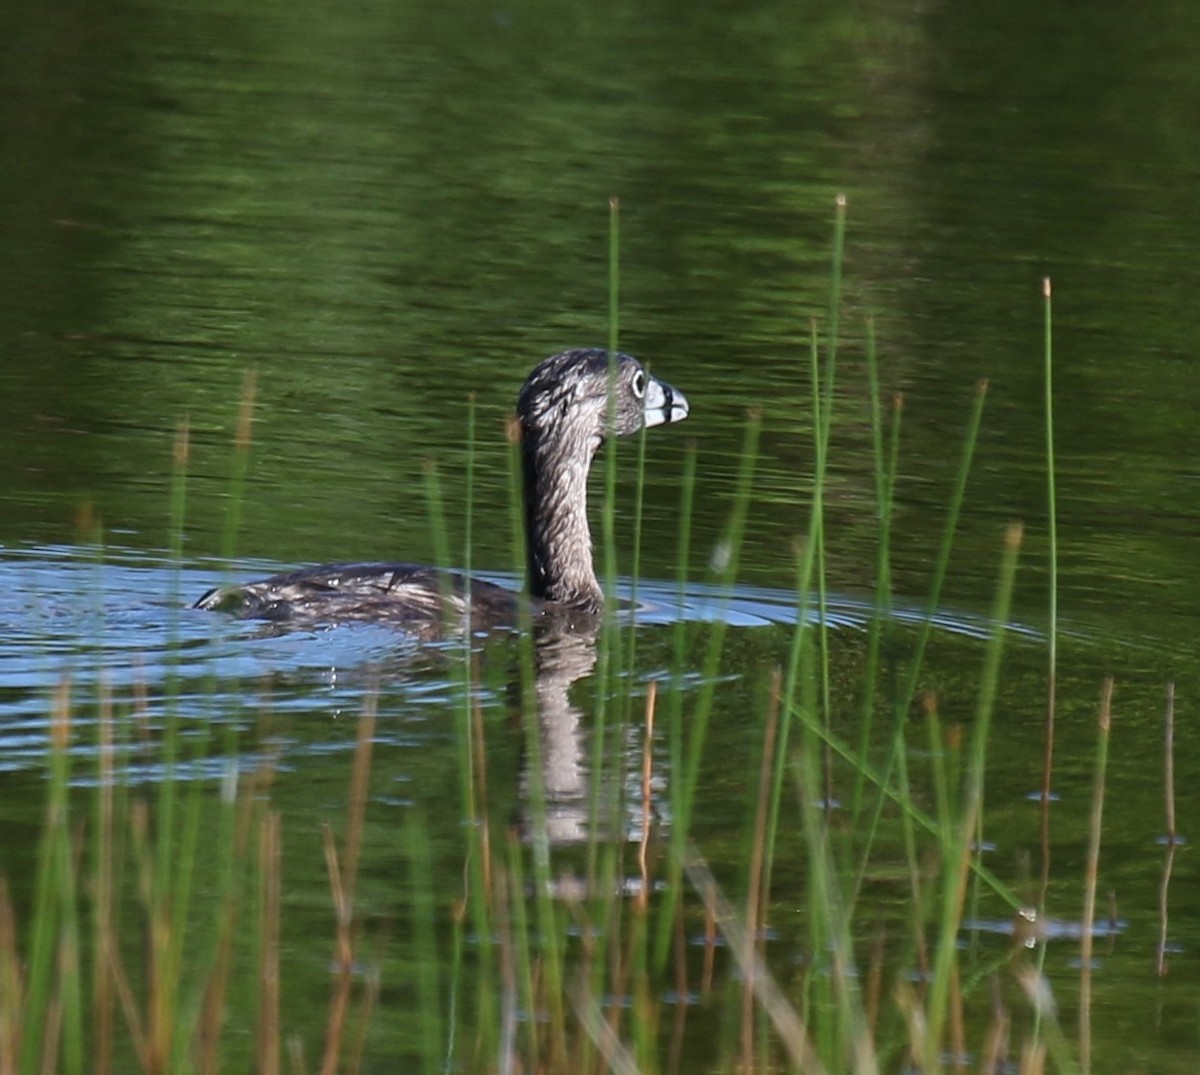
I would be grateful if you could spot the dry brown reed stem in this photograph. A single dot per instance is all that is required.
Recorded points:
(1160, 966)
(793, 1034)
(359, 1047)
(342, 880)
(756, 895)
(1033, 1058)
(269, 853)
(1089, 888)
(151, 1046)
(647, 803)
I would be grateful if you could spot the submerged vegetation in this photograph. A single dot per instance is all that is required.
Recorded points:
(591, 929)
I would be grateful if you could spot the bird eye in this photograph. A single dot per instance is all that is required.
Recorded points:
(639, 384)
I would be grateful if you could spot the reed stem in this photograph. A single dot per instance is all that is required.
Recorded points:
(1091, 873)
(1052, 630)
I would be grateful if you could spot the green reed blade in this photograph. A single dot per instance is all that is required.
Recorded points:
(240, 465)
(1051, 493)
(1091, 871)
(609, 699)
(811, 556)
(549, 926)
(608, 671)
(885, 464)
(880, 780)
(908, 693)
(52, 885)
(607, 516)
(687, 778)
(1052, 629)
(674, 696)
(961, 841)
(519, 960)
(471, 763)
(421, 903)
(469, 500)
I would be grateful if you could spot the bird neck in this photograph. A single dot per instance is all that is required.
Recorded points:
(558, 539)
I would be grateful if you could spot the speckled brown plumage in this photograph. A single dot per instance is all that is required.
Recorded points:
(563, 411)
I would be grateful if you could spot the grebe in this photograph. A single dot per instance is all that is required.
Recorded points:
(564, 416)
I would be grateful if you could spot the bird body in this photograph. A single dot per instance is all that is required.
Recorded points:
(566, 409)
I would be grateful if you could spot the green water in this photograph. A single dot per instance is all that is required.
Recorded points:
(384, 208)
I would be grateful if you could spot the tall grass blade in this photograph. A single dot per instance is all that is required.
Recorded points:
(683, 787)
(756, 896)
(343, 880)
(607, 515)
(885, 479)
(670, 903)
(1052, 630)
(424, 946)
(469, 512)
(608, 673)
(811, 556)
(240, 466)
(960, 844)
(104, 898)
(1172, 840)
(822, 428)
(53, 887)
(267, 1040)
(897, 758)
(1095, 826)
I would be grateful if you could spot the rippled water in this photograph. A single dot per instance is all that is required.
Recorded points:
(83, 612)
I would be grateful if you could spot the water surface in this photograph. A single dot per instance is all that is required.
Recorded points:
(382, 211)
